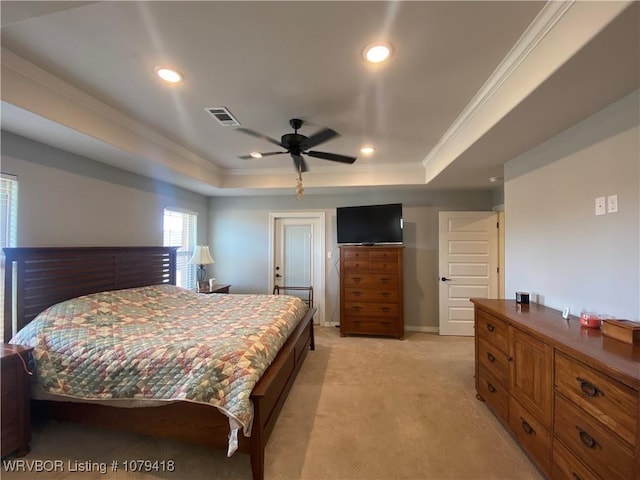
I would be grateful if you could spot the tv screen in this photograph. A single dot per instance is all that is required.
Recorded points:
(370, 224)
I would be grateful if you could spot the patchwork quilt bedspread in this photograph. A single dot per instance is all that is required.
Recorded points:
(162, 343)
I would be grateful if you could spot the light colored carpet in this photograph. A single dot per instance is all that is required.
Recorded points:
(361, 408)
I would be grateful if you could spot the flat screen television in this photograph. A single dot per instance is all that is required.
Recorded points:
(370, 224)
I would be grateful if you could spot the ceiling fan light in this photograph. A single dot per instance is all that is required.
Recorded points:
(367, 150)
(377, 53)
(169, 75)
(256, 154)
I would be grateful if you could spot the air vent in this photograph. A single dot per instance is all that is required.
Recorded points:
(223, 116)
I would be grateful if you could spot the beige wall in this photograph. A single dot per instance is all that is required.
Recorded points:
(556, 248)
(67, 200)
(239, 239)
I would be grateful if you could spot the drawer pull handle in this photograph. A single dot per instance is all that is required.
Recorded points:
(588, 388)
(356, 294)
(385, 309)
(526, 427)
(357, 279)
(509, 358)
(385, 294)
(575, 476)
(490, 327)
(586, 439)
(491, 357)
(385, 280)
(357, 308)
(491, 388)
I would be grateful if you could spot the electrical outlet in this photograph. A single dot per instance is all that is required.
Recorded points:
(601, 206)
(612, 204)
(329, 254)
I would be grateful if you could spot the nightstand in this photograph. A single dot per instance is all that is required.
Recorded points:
(217, 288)
(15, 426)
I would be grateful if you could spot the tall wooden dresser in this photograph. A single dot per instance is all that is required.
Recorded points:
(371, 293)
(567, 394)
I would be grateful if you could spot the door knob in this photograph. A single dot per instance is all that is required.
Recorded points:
(445, 279)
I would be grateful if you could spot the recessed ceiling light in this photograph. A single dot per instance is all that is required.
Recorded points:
(367, 150)
(494, 179)
(168, 74)
(377, 52)
(256, 154)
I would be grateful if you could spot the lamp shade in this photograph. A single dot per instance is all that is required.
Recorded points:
(201, 256)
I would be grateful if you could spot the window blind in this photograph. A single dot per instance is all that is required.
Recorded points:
(9, 210)
(180, 229)
(8, 221)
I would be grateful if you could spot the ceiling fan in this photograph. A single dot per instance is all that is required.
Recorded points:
(297, 144)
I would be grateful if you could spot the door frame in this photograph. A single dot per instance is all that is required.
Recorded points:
(317, 256)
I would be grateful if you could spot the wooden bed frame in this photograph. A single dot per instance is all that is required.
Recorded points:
(36, 278)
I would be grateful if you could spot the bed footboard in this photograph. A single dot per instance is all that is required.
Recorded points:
(271, 391)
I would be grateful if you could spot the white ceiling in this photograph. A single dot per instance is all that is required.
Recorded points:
(470, 85)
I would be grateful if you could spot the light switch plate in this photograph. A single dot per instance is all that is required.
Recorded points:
(601, 206)
(612, 204)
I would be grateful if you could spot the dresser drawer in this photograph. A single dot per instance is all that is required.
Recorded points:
(493, 360)
(611, 402)
(384, 266)
(373, 295)
(568, 467)
(355, 265)
(372, 280)
(492, 329)
(369, 326)
(9, 375)
(10, 436)
(591, 443)
(494, 393)
(384, 255)
(531, 434)
(9, 410)
(371, 309)
(356, 254)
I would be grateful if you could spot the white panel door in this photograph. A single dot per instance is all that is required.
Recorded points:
(293, 253)
(298, 259)
(468, 260)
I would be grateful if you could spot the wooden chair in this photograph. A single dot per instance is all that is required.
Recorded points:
(308, 298)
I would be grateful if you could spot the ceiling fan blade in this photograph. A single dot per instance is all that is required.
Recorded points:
(259, 135)
(298, 161)
(332, 156)
(267, 154)
(318, 138)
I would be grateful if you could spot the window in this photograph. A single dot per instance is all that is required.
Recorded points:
(180, 230)
(8, 220)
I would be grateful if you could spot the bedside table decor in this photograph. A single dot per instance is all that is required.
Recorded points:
(215, 288)
(201, 257)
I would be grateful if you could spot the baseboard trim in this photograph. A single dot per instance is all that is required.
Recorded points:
(421, 329)
(407, 328)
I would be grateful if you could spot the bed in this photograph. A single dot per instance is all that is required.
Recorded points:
(37, 278)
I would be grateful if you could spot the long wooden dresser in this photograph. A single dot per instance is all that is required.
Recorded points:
(371, 294)
(567, 394)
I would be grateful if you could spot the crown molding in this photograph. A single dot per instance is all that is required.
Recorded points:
(551, 13)
(560, 30)
(33, 78)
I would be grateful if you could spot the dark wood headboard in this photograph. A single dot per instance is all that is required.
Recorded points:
(36, 278)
